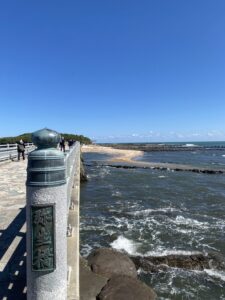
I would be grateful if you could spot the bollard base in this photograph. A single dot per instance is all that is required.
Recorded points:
(51, 285)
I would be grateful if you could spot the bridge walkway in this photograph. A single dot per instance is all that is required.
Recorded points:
(12, 230)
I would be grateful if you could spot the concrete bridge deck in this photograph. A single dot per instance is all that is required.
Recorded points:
(12, 230)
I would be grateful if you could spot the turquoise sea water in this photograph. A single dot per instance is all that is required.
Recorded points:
(153, 212)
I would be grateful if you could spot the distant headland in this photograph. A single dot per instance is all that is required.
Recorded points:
(26, 137)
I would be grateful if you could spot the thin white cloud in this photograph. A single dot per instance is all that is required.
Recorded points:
(157, 136)
(215, 133)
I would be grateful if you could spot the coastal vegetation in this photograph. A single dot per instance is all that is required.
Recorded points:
(26, 137)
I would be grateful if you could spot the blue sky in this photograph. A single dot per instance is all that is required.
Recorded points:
(114, 70)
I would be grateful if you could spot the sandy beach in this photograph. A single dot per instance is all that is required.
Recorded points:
(119, 155)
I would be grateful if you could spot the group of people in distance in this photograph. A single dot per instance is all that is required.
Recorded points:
(62, 144)
(21, 147)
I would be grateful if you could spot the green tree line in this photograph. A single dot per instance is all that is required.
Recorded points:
(26, 137)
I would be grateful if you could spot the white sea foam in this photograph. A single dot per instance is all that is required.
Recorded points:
(187, 221)
(185, 231)
(90, 176)
(148, 211)
(122, 243)
(223, 155)
(216, 274)
(161, 176)
(171, 252)
(116, 194)
(189, 145)
(86, 250)
(104, 171)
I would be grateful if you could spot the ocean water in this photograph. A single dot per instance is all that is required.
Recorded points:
(152, 212)
(199, 158)
(201, 144)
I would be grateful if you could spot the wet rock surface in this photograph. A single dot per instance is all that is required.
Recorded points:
(83, 175)
(108, 262)
(115, 277)
(163, 167)
(90, 283)
(122, 287)
(111, 275)
(198, 261)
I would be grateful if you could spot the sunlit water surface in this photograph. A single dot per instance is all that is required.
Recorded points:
(150, 212)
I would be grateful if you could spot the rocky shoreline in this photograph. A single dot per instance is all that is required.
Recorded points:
(157, 166)
(162, 167)
(108, 274)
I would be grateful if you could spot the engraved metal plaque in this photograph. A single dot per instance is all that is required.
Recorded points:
(43, 237)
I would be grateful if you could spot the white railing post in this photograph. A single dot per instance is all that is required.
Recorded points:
(8, 151)
(46, 219)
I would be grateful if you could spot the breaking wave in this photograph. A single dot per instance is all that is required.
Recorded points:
(216, 274)
(148, 211)
(171, 252)
(122, 243)
(190, 145)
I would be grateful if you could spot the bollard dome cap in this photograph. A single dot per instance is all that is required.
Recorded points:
(46, 138)
(46, 164)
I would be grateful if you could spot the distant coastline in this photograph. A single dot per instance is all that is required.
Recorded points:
(168, 146)
(124, 155)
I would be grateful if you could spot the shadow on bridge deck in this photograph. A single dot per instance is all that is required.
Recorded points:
(13, 259)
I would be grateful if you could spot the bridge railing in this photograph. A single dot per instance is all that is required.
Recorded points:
(9, 151)
(72, 160)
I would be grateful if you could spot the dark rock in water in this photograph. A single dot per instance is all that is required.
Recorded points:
(83, 176)
(147, 265)
(113, 237)
(167, 166)
(109, 262)
(198, 261)
(121, 271)
(90, 283)
(122, 287)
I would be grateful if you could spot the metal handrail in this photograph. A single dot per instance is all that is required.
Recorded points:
(9, 151)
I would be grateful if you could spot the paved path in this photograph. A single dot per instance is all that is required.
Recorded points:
(12, 230)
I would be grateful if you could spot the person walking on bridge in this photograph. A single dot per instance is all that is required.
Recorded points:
(62, 144)
(21, 149)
